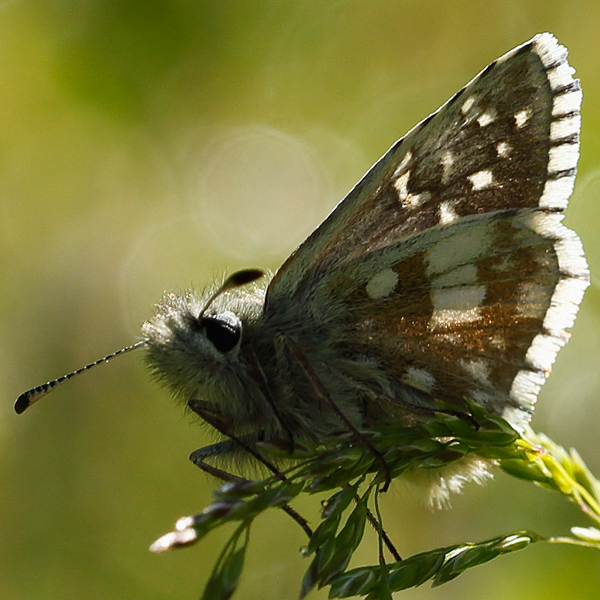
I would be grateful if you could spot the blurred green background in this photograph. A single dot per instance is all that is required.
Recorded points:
(149, 145)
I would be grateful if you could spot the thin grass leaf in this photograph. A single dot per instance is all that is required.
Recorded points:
(325, 531)
(357, 582)
(415, 570)
(464, 557)
(339, 502)
(226, 574)
(583, 475)
(347, 541)
(350, 469)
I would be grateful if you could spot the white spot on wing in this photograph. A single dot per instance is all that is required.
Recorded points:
(447, 161)
(447, 213)
(489, 116)
(459, 298)
(452, 306)
(403, 164)
(522, 117)
(407, 199)
(503, 149)
(382, 284)
(468, 105)
(482, 179)
(415, 200)
(461, 247)
(401, 185)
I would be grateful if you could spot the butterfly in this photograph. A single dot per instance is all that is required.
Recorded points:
(444, 275)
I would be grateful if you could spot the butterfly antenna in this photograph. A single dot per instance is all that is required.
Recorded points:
(26, 399)
(235, 280)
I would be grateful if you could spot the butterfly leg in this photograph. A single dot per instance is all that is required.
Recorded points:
(271, 401)
(198, 457)
(203, 409)
(286, 345)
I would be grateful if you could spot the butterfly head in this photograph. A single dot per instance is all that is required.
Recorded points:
(193, 341)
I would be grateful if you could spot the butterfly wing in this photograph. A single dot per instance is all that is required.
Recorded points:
(447, 267)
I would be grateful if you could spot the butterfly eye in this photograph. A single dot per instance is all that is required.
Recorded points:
(223, 330)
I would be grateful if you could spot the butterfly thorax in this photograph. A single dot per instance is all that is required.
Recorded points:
(262, 377)
(201, 354)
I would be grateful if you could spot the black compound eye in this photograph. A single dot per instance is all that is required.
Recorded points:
(223, 331)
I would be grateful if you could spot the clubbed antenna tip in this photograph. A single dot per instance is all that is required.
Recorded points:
(23, 402)
(240, 278)
(235, 280)
(26, 399)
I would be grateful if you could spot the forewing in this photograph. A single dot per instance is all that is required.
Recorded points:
(507, 140)
(479, 186)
